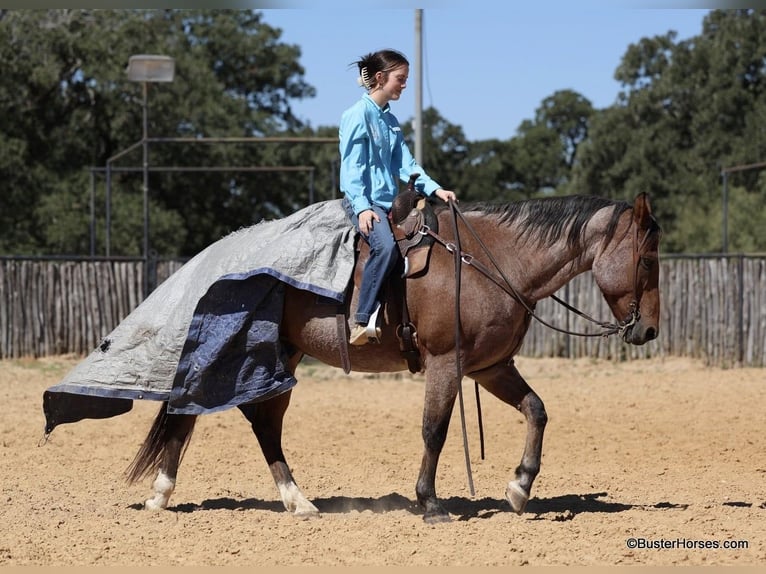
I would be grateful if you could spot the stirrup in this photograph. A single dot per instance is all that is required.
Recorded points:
(372, 330)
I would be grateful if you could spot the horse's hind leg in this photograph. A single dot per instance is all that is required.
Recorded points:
(179, 433)
(266, 420)
(162, 452)
(505, 382)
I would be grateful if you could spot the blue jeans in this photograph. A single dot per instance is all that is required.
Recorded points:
(382, 260)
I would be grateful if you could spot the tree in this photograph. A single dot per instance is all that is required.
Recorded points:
(686, 110)
(489, 173)
(69, 106)
(545, 149)
(444, 148)
(567, 113)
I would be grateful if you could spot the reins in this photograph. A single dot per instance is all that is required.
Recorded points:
(501, 280)
(458, 363)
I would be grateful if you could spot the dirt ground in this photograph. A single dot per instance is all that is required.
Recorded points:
(669, 453)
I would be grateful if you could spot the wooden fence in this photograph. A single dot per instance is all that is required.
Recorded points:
(60, 306)
(712, 309)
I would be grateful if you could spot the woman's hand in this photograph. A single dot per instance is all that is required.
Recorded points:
(365, 220)
(446, 195)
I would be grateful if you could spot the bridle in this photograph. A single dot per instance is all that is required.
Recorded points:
(499, 278)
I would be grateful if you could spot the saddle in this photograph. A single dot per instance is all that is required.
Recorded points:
(411, 212)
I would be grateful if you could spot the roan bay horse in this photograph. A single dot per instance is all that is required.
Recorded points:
(537, 246)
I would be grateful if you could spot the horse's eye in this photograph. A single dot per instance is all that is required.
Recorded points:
(647, 262)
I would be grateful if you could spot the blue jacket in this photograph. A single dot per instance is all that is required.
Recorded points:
(374, 156)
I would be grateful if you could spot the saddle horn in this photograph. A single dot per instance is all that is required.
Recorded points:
(411, 182)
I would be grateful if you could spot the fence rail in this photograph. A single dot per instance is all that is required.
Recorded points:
(60, 306)
(712, 309)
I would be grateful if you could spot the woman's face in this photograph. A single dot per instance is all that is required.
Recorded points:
(393, 85)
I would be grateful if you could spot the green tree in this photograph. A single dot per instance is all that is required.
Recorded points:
(542, 154)
(489, 173)
(69, 106)
(686, 110)
(567, 113)
(444, 148)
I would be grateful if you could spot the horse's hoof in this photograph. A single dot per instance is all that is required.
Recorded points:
(306, 514)
(153, 506)
(436, 518)
(516, 496)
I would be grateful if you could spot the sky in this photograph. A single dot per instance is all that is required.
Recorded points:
(485, 69)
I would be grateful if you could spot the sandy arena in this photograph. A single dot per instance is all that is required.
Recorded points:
(666, 452)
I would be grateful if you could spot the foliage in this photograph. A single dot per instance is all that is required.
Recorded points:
(70, 107)
(685, 110)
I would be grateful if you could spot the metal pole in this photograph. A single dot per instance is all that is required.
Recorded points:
(419, 86)
(725, 241)
(108, 208)
(311, 187)
(145, 143)
(92, 213)
(333, 183)
(725, 171)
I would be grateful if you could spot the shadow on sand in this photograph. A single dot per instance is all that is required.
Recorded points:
(557, 508)
(332, 505)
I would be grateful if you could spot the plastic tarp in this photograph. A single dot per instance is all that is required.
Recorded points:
(207, 338)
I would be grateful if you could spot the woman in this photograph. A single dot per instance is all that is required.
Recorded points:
(374, 158)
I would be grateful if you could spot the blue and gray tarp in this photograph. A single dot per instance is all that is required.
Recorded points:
(207, 338)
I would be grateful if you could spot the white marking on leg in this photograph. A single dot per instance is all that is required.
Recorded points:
(517, 496)
(295, 502)
(163, 488)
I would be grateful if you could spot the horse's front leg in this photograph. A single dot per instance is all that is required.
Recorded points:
(266, 421)
(441, 390)
(505, 382)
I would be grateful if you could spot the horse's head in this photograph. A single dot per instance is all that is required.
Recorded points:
(628, 274)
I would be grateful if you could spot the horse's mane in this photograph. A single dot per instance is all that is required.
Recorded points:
(548, 219)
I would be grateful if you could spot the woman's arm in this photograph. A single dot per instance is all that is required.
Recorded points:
(354, 161)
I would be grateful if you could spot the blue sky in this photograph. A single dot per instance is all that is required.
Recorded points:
(486, 70)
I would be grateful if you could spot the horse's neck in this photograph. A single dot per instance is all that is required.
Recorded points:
(538, 271)
(547, 270)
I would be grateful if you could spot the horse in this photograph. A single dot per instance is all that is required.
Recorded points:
(521, 252)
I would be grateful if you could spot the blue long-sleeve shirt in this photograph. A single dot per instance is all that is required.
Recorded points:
(374, 156)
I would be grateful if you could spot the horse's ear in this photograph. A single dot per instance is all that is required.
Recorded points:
(642, 210)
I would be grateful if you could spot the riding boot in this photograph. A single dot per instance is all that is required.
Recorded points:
(358, 335)
(362, 334)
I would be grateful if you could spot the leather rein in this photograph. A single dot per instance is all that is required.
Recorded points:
(501, 280)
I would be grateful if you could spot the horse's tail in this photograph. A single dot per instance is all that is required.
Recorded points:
(150, 456)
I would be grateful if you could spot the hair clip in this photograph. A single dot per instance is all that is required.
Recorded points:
(364, 79)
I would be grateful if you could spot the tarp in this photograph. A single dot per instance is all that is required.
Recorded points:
(207, 338)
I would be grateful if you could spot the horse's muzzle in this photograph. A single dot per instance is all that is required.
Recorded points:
(635, 334)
